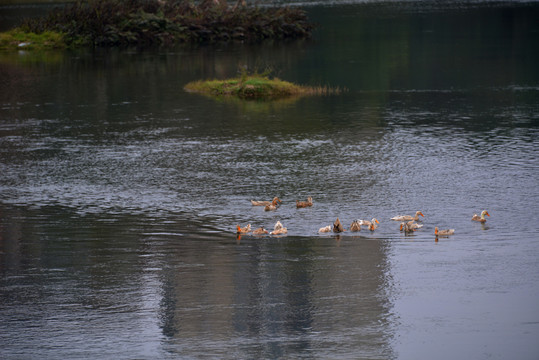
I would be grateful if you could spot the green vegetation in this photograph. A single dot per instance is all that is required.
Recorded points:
(157, 22)
(17, 39)
(256, 87)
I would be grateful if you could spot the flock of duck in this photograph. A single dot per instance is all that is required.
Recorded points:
(408, 223)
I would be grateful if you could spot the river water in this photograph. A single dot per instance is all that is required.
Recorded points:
(120, 194)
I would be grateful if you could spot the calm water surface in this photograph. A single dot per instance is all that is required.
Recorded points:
(120, 193)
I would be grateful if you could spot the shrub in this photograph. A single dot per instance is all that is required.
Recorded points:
(151, 22)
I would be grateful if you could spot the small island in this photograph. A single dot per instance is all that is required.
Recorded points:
(144, 23)
(255, 87)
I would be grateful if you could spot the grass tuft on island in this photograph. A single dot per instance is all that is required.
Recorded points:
(143, 23)
(256, 87)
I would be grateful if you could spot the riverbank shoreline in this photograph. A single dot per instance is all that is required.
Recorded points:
(112, 23)
(34, 2)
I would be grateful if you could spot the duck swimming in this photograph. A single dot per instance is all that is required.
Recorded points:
(373, 221)
(414, 225)
(302, 204)
(443, 232)
(273, 206)
(243, 230)
(325, 229)
(337, 226)
(279, 229)
(356, 225)
(373, 224)
(481, 218)
(260, 231)
(410, 226)
(408, 217)
(367, 222)
(265, 203)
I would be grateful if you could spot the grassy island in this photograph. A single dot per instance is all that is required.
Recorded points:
(157, 22)
(255, 87)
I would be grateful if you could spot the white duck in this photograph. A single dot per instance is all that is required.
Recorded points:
(368, 223)
(325, 229)
(279, 229)
(408, 217)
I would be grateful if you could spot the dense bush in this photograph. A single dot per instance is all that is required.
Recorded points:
(149, 22)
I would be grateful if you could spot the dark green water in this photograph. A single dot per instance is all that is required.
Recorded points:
(120, 193)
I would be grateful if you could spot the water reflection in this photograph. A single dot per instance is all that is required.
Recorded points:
(261, 298)
(120, 193)
(276, 297)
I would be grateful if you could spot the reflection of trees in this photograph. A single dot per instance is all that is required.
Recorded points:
(67, 258)
(281, 297)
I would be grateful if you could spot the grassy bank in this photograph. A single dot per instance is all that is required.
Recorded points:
(32, 2)
(153, 22)
(21, 40)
